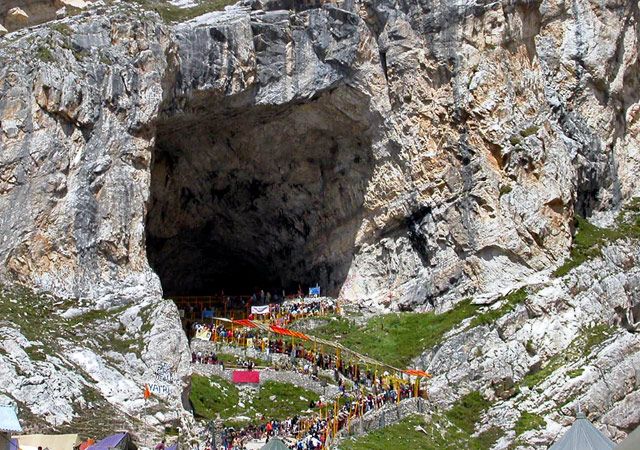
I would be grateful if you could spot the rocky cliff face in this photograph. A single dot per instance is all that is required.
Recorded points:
(394, 153)
(401, 154)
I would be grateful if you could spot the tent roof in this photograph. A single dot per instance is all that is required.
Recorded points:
(108, 442)
(51, 441)
(583, 436)
(631, 442)
(9, 420)
(275, 444)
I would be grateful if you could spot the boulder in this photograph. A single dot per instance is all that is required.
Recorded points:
(73, 4)
(3, 30)
(16, 18)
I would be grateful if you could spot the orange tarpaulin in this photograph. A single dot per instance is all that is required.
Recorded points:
(245, 323)
(417, 373)
(286, 332)
(88, 443)
(300, 335)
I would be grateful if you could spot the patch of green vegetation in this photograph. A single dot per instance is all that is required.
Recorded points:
(575, 373)
(35, 315)
(147, 323)
(487, 438)
(171, 13)
(529, 131)
(62, 28)
(91, 394)
(44, 54)
(78, 54)
(213, 395)
(466, 412)
(587, 244)
(528, 421)
(171, 431)
(104, 59)
(396, 338)
(510, 302)
(594, 336)
(449, 431)
(36, 353)
(505, 189)
(515, 140)
(400, 436)
(95, 315)
(589, 239)
(580, 347)
(530, 348)
(289, 400)
(123, 346)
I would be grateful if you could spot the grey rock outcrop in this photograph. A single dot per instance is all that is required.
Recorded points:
(561, 349)
(443, 181)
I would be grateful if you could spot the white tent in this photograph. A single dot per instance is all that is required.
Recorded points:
(632, 442)
(53, 442)
(583, 436)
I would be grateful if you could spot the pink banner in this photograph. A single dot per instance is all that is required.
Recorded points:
(245, 376)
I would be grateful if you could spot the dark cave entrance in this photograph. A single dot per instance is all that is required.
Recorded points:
(258, 197)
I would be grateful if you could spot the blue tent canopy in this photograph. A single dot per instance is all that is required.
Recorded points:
(118, 441)
(9, 420)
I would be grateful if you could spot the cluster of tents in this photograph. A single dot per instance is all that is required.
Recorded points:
(118, 441)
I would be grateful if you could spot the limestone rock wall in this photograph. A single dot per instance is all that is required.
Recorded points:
(576, 331)
(489, 127)
(508, 118)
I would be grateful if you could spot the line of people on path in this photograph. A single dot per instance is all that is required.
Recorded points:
(314, 431)
(370, 391)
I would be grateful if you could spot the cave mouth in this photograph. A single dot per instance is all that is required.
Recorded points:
(258, 197)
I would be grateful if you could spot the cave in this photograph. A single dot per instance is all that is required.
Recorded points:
(246, 197)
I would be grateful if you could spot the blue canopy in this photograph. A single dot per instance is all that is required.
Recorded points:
(9, 420)
(108, 443)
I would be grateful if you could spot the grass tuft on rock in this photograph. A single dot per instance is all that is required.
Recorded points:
(580, 347)
(172, 14)
(466, 412)
(510, 302)
(213, 395)
(289, 400)
(589, 239)
(396, 338)
(528, 421)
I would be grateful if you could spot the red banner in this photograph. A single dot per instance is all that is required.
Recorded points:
(245, 323)
(245, 376)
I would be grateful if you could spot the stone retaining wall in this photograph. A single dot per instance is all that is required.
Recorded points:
(385, 416)
(283, 376)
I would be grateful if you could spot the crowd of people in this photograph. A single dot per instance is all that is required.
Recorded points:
(280, 315)
(362, 389)
(313, 431)
(368, 390)
(197, 308)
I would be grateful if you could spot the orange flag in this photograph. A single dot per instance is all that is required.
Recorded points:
(147, 392)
